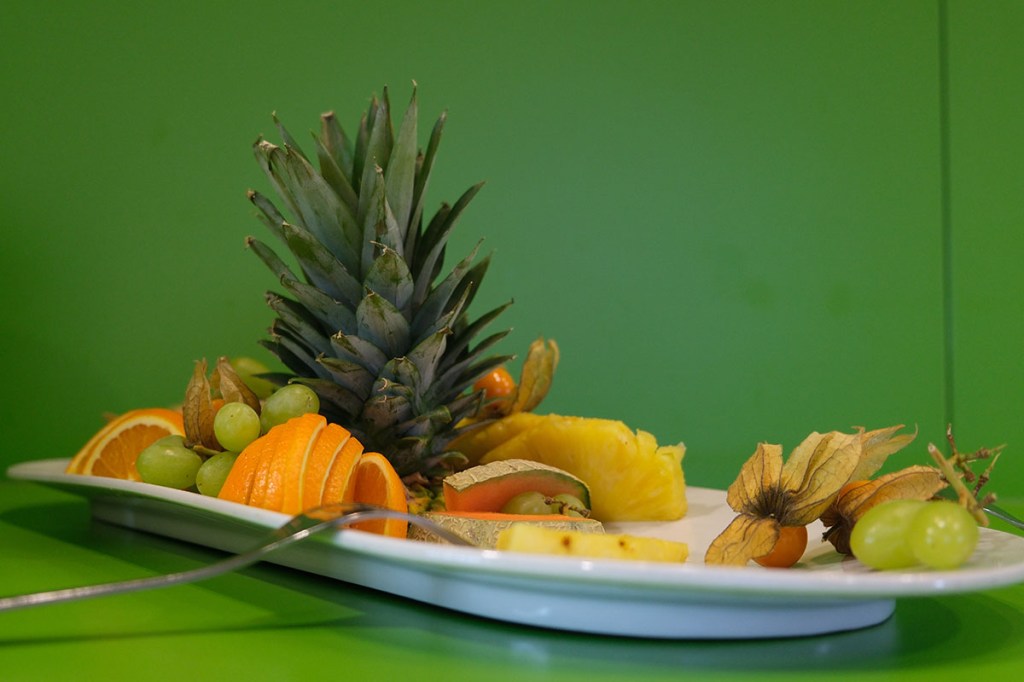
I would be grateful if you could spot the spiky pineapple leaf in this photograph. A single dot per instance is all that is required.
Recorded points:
(359, 152)
(323, 269)
(333, 315)
(359, 350)
(402, 371)
(426, 358)
(336, 142)
(382, 411)
(379, 224)
(457, 374)
(425, 166)
(433, 242)
(442, 298)
(315, 205)
(269, 214)
(287, 138)
(400, 179)
(382, 324)
(389, 277)
(470, 283)
(377, 153)
(461, 338)
(337, 398)
(292, 316)
(351, 375)
(335, 176)
(295, 353)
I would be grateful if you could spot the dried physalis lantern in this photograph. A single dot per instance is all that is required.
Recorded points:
(776, 502)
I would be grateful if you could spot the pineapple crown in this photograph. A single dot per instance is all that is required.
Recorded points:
(371, 325)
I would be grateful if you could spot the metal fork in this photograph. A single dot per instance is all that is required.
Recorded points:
(297, 528)
(1004, 515)
(990, 509)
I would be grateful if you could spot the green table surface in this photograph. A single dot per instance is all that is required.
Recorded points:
(272, 623)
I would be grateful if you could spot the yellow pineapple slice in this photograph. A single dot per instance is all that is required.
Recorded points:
(476, 443)
(630, 477)
(521, 537)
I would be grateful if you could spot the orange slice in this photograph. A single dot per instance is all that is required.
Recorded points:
(309, 431)
(238, 485)
(376, 482)
(330, 467)
(340, 483)
(112, 451)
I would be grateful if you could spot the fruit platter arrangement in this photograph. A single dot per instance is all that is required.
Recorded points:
(390, 395)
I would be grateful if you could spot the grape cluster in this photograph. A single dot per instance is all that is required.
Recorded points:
(170, 462)
(903, 533)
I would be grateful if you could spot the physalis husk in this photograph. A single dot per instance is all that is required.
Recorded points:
(535, 379)
(198, 409)
(769, 495)
(912, 483)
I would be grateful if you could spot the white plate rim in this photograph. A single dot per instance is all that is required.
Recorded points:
(830, 580)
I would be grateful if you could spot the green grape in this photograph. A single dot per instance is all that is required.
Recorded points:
(942, 535)
(169, 463)
(286, 403)
(213, 472)
(236, 425)
(527, 503)
(879, 538)
(569, 505)
(248, 370)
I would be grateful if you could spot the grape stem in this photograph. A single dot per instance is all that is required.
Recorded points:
(948, 466)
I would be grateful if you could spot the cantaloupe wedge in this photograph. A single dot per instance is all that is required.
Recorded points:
(483, 528)
(488, 487)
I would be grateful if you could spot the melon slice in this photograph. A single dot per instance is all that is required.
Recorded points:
(488, 487)
(483, 528)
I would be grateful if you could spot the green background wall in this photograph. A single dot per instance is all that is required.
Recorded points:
(742, 221)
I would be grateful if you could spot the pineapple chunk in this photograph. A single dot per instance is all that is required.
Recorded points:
(477, 442)
(631, 477)
(521, 537)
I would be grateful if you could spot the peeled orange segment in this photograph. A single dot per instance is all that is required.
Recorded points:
(376, 482)
(338, 474)
(238, 485)
(265, 460)
(277, 475)
(112, 451)
(318, 465)
(295, 460)
(296, 466)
